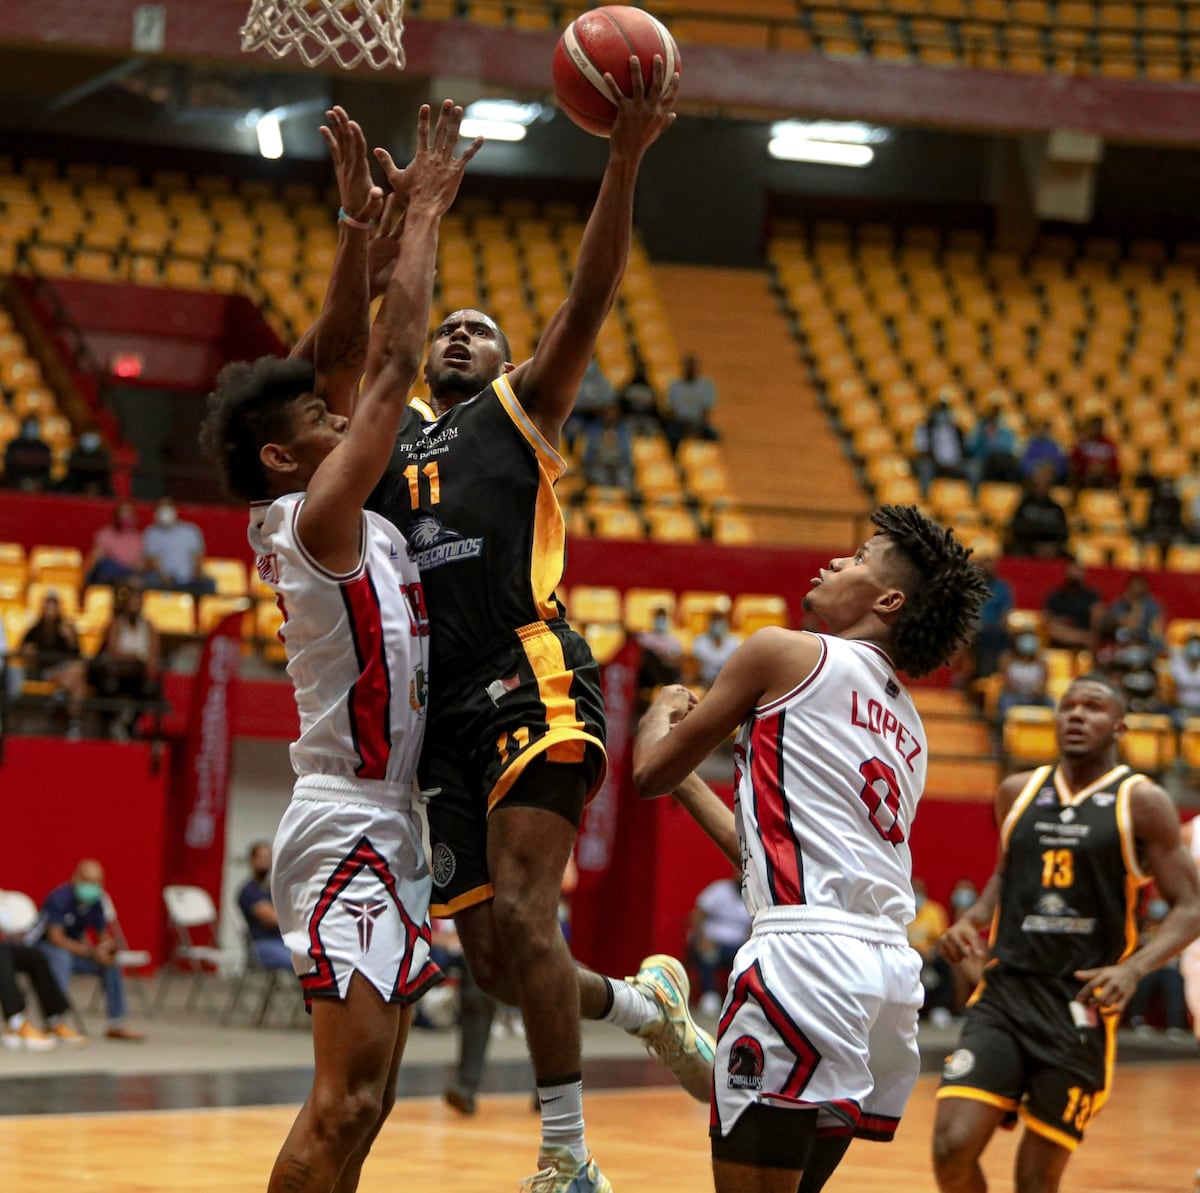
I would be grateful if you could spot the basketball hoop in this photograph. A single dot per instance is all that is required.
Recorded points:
(347, 31)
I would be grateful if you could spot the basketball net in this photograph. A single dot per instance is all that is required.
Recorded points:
(347, 31)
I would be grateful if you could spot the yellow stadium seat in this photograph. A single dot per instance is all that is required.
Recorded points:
(56, 566)
(672, 525)
(170, 612)
(97, 603)
(733, 529)
(1149, 742)
(1025, 621)
(268, 618)
(998, 501)
(68, 597)
(605, 640)
(1189, 742)
(695, 608)
(753, 611)
(593, 603)
(1180, 629)
(13, 567)
(214, 606)
(641, 604)
(949, 497)
(17, 621)
(229, 575)
(617, 522)
(1029, 735)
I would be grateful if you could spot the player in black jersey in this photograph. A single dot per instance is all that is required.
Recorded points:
(1077, 841)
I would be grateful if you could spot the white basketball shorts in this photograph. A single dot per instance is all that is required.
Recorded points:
(821, 1013)
(1189, 966)
(351, 888)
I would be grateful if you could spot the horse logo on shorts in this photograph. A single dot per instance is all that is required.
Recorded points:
(745, 1064)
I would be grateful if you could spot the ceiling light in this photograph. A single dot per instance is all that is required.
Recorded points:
(270, 137)
(492, 130)
(826, 153)
(503, 110)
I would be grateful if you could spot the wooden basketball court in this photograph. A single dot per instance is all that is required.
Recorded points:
(656, 1139)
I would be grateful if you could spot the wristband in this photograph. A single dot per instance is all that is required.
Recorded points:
(351, 222)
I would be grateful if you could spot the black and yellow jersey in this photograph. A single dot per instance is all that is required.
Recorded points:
(1071, 875)
(473, 494)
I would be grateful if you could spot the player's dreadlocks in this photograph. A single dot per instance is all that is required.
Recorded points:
(247, 409)
(943, 589)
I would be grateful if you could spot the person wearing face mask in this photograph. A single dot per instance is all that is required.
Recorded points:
(174, 551)
(89, 466)
(712, 649)
(27, 459)
(1184, 668)
(1166, 982)
(73, 933)
(939, 447)
(116, 553)
(254, 900)
(662, 652)
(1025, 674)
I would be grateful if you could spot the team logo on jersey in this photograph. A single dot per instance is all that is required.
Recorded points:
(958, 1064)
(745, 1064)
(892, 688)
(444, 864)
(430, 544)
(364, 913)
(1067, 815)
(1104, 799)
(1046, 797)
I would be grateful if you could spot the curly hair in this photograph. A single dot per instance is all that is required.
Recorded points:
(247, 409)
(943, 589)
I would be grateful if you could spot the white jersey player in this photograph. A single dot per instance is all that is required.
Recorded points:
(817, 1038)
(1189, 961)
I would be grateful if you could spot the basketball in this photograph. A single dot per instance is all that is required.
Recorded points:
(601, 42)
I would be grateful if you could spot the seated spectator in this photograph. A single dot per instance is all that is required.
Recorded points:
(608, 454)
(718, 927)
(1039, 524)
(596, 395)
(991, 639)
(254, 900)
(1025, 675)
(89, 466)
(27, 459)
(18, 958)
(638, 403)
(1139, 681)
(174, 551)
(662, 653)
(116, 554)
(127, 665)
(711, 650)
(924, 932)
(1184, 667)
(690, 402)
(1073, 612)
(1043, 450)
(991, 449)
(50, 654)
(1165, 982)
(1094, 460)
(1135, 616)
(73, 934)
(1164, 519)
(939, 448)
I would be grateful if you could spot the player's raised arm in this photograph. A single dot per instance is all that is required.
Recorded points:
(546, 384)
(337, 342)
(330, 520)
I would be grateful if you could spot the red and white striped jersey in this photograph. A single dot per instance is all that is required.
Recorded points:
(357, 646)
(827, 784)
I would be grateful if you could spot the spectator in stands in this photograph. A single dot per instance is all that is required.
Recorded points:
(711, 650)
(991, 448)
(1039, 523)
(18, 958)
(991, 639)
(1043, 449)
(638, 402)
(27, 458)
(50, 654)
(608, 453)
(254, 901)
(690, 401)
(127, 666)
(1094, 460)
(1025, 674)
(662, 652)
(1164, 519)
(1135, 616)
(1073, 611)
(718, 927)
(116, 554)
(1145, 476)
(174, 551)
(1165, 982)
(73, 933)
(939, 447)
(1184, 669)
(89, 466)
(924, 931)
(596, 395)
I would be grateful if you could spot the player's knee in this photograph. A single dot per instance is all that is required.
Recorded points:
(952, 1146)
(521, 927)
(346, 1118)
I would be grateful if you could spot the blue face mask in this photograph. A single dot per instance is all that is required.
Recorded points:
(88, 892)
(1157, 910)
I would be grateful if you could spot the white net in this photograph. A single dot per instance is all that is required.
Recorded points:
(346, 31)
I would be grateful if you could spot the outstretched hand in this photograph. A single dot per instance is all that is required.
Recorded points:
(432, 178)
(646, 114)
(361, 199)
(384, 244)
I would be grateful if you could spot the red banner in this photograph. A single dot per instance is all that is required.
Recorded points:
(200, 778)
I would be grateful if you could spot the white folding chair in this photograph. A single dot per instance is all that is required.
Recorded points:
(19, 915)
(193, 919)
(127, 959)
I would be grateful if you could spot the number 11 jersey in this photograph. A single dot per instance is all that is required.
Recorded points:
(827, 782)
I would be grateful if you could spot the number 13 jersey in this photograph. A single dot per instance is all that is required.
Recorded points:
(827, 782)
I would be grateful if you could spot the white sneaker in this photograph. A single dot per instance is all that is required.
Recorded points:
(676, 1039)
(28, 1037)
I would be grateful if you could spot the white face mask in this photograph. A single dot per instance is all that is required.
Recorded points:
(166, 515)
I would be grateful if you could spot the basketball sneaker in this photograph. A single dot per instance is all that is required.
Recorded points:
(676, 1039)
(65, 1034)
(28, 1037)
(562, 1173)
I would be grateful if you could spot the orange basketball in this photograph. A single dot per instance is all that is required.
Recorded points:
(601, 42)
